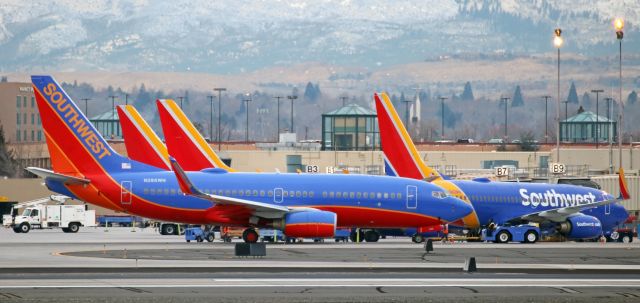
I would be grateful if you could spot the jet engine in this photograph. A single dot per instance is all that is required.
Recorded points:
(581, 227)
(308, 224)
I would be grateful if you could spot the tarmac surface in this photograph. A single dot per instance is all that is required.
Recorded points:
(118, 264)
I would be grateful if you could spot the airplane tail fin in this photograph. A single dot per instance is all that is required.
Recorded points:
(624, 189)
(76, 148)
(142, 143)
(402, 157)
(184, 141)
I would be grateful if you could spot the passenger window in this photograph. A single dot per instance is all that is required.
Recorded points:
(292, 193)
(393, 195)
(379, 196)
(152, 191)
(146, 191)
(339, 195)
(285, 193)
(399, 196)
(227, 192)
(324, 194)
(304, 194)
(345, 194)
(372, 195)
(298, 194)
(358, 195)
(255, 193)
(366, 195)
(262, 193)
(247, 193)
(270, 193)
(166, 191)
(240, 193)
(311, 194)
(331, 195)
(386, 195)
(352, 195)
(173, 192)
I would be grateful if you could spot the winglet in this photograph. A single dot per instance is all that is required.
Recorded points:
(183, 181)
(624, 190)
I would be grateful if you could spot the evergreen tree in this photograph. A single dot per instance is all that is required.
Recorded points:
(311, 92)
(8, 162)
(517, 98)
(633, 98)
(573, 95)
(467, 94)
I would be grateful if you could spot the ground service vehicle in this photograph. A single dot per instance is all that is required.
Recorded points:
(524, 233)
(198, 234)
(67, 217)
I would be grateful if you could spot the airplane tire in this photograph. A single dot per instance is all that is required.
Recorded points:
(371, 236)
(250, 235)
(417, 238)
(168, 229)
(354, 238)
(503, 237)
(530, 237)
(24, 228)
(74, 227)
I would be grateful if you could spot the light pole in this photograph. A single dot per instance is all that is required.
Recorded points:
(210, 118)
(566, 117)
(113, 115)
(278, 123)
(557, 42)
(597, 128)
(619, 26)
(442, 116)
(292, 98)
(219, 90)
(247, 100)
(610, 134)
(546, 124)
(126, 99)
(86, 108)
(506, 102)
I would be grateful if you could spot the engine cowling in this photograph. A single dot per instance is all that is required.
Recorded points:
(310, 224)
(581, 227)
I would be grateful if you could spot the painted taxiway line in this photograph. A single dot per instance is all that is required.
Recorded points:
(239, 283)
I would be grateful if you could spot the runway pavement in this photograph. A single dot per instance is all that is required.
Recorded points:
(120, 265)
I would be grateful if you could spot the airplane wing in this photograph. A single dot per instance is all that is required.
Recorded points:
(48, 174)
(261, 209)
(561, 214)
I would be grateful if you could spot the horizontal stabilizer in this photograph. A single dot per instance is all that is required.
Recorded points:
(187, 187)
(48, 174)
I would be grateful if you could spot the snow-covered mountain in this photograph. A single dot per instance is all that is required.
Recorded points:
(235, 36)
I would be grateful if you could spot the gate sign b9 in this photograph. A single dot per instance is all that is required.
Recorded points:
(557, 168)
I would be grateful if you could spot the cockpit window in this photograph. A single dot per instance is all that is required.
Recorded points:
(439, 194)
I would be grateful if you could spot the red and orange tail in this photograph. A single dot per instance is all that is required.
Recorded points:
(624, 190)
(401, 156)
(75, 146)
(142, 143)
(184, 142)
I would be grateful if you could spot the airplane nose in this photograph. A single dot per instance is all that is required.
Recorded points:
(458, 209)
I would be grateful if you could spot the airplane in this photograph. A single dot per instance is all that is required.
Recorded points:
(571, 210)
(85, 167)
